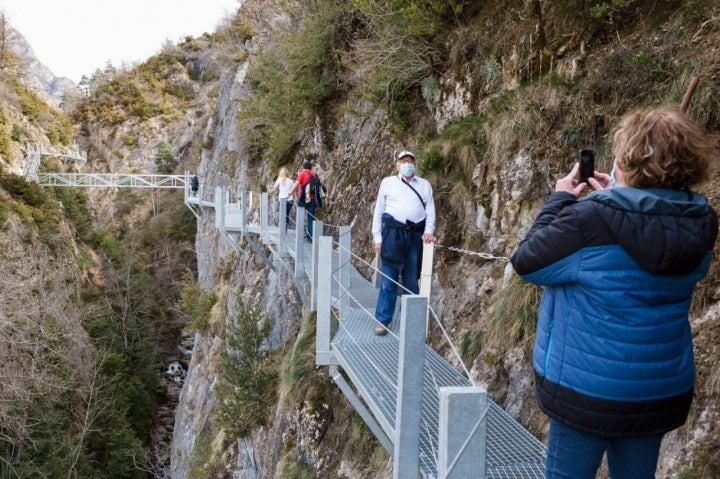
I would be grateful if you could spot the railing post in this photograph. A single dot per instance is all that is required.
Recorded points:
(243, 212)
(426, 277)
(299, 240)
(406, 455)
(323, 355)
(264, 212)
(317, 231)
(282, 228)
(220, 208)
(377, 274)
(345, 267)
(462, 439)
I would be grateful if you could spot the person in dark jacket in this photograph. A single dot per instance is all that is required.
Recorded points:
(195, 184)
(613, 353)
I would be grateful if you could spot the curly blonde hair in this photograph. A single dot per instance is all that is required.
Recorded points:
(662, 148)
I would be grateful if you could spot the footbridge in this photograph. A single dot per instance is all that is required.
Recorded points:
(431, 418)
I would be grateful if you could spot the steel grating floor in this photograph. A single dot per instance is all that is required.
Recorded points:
(371, 361)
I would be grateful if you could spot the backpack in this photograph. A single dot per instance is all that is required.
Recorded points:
(315, 187)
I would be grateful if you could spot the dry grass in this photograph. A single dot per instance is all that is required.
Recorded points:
(514, 317)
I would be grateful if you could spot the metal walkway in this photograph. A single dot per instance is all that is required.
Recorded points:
(34, 151)
(112, 180)
(430, 418)
(372, 371)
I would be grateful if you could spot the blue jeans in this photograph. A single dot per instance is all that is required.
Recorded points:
(576, 455)
(387, 297)
(310, 209)
(288, 210)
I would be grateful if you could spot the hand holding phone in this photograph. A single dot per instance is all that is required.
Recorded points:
(587, 165)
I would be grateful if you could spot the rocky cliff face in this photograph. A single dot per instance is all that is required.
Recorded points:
(508, 185)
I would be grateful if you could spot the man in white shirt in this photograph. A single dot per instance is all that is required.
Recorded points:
(404, 219)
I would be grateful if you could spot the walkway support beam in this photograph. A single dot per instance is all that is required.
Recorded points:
(323, 355)
(282, 233)
(344, 267)
(318, 231)
(299, 241)
(264, 216)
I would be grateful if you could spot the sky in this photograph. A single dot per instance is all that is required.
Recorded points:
(76, 37)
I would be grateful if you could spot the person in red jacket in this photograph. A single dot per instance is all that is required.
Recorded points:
(308, 203)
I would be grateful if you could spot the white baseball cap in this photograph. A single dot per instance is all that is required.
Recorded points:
(405, 153)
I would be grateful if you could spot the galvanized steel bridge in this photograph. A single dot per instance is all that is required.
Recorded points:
(431, 419)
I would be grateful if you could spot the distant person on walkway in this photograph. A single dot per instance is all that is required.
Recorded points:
(283, 185)
(403, 219)
(613, 353)
(195, 184)
(308, 203)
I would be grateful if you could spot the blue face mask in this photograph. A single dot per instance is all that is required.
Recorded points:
(613, 182)
(407, 169)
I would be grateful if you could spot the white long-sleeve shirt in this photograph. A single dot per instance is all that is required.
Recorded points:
(403, 204)
(283, 186)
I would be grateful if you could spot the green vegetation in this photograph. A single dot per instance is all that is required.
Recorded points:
(57, 126)
(571, 134)
(116, 101)
(164, 159)
(247, 389)
(291, 81)
(6, 149)
(402, 46)
(470, 345)
(515, 315)
(34, 206)
(301, 380)
(196, 303)
(76, 205)
(705, 467)
(92, 419)
(297, 470)
(202, 464)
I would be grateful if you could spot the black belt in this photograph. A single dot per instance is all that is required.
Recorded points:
(391, 222)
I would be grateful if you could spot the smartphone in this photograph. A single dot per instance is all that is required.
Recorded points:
(587, 165)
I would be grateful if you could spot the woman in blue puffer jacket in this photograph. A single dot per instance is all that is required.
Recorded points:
(613, 352)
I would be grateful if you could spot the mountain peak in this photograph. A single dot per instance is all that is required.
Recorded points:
(38, 77)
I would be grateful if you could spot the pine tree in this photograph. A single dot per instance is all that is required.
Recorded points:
(164, 159)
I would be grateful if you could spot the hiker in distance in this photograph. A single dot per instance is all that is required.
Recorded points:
(282, 186)
(305, 201)
(403, 219)
(613, 354)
